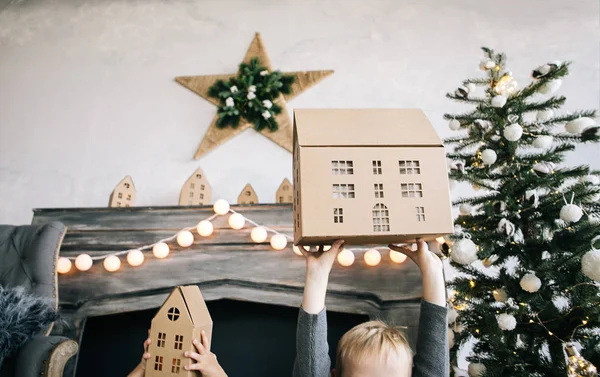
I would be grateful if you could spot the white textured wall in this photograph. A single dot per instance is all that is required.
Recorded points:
(87, 92)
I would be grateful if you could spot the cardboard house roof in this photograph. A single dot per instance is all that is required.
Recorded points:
(381, 127)
(195, 305)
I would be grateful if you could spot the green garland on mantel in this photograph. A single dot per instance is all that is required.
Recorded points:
(251, 95)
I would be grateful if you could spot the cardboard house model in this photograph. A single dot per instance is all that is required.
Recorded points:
(196, 191)
(247, 196)
(179, 320)
(284, 193)
(368, 176)
(124, 194)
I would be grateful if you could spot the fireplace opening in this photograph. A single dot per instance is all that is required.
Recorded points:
(249, 339)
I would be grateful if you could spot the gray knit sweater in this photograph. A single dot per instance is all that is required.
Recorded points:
(431, 358)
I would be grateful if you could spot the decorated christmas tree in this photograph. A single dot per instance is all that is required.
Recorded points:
(526, 252)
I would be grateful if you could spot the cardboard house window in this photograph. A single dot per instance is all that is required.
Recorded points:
(343, 191)
(173, 314)
(378, 187)
(202, 187)
(420, 214)
(158, 362)
(338, 215)
(199, 176)
(192, 185)
(128, 196)
(411, 190)
(377, 167)
(342, 167)
(176, 366)
(381, 218)
(191, 194)
(120, 196)
(126, 185)
(162, 337)
(178, 342)
(410, 167)
(201, 196)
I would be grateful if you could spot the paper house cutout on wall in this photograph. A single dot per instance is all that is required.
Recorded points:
(179, 321)
(368, 176)
(196, 191)
(124, 194)
(247, 196)
(285, 193)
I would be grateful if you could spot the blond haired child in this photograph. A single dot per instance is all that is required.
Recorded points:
(372, 349)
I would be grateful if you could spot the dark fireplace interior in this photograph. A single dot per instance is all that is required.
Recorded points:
(249, 339)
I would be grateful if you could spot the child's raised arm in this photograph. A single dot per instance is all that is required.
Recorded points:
(141, 368)
(318, 267)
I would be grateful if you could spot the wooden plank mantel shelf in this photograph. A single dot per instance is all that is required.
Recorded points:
(226, 265)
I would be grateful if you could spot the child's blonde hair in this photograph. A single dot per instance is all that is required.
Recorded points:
(371, 338)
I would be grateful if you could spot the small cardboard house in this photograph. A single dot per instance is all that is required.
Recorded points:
(372, 176)
(124, 194)
(180, 319)
(284, 193)
(248, 195)
(196, 191)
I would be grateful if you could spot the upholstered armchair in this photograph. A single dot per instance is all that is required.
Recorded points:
(28, 256)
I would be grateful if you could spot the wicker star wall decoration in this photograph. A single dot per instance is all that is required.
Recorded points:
(282, 136)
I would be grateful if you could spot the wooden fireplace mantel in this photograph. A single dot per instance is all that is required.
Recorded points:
(226, 265)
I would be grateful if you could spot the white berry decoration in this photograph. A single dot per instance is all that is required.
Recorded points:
(543, 141)
(476, 370)
(550, 87)
(571, 213)
(454, 125)
(530, 283)
(544, 115)
(576, 126)
(499, 101)
(488, 156)
(451, 316)
(464, 251)
(465, 209)
(590, 264)
(506, 322)
(513, 132)
(450, 338)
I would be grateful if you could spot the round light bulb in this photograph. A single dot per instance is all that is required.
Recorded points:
(345, 257)
(83, 262)
(112, 263)
(440, 240)
(258, 234)
(221, 207)
(236, 221)
(372, 257)
(160, 250)
(185, 238)
(297, 250)
(135, 258)
(326, 247)
(278, 242)
(63, 265)
(205, 228)
(396, 256)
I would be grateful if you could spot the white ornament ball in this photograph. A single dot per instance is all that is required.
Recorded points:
(499, 295)
(590, 264)
(576, 126)
(259, 234)
(205, 228)
(185, 238)
(452, 315)
(513, 132)
(465, 209)
(543, 141)
(236, 221)
(83, 262)
(544, 115)
(464, 251)
(454, 125)
(112, 263)
(372, 257)
(487, 64)
(160, 250)
(550, 87)
(397, 257)
(63, 265)
(506, 322)
(476, 370)
(345, 257)
(488, 156)
(221, 207)
(135, 258)
(471, 87)
(278, 242)
(530, 283)
(571, 213)
(498, 101)
(450, 338)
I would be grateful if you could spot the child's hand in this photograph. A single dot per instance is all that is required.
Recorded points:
(206, 361)
(426, 260)
(321, 262)
(146, 354)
